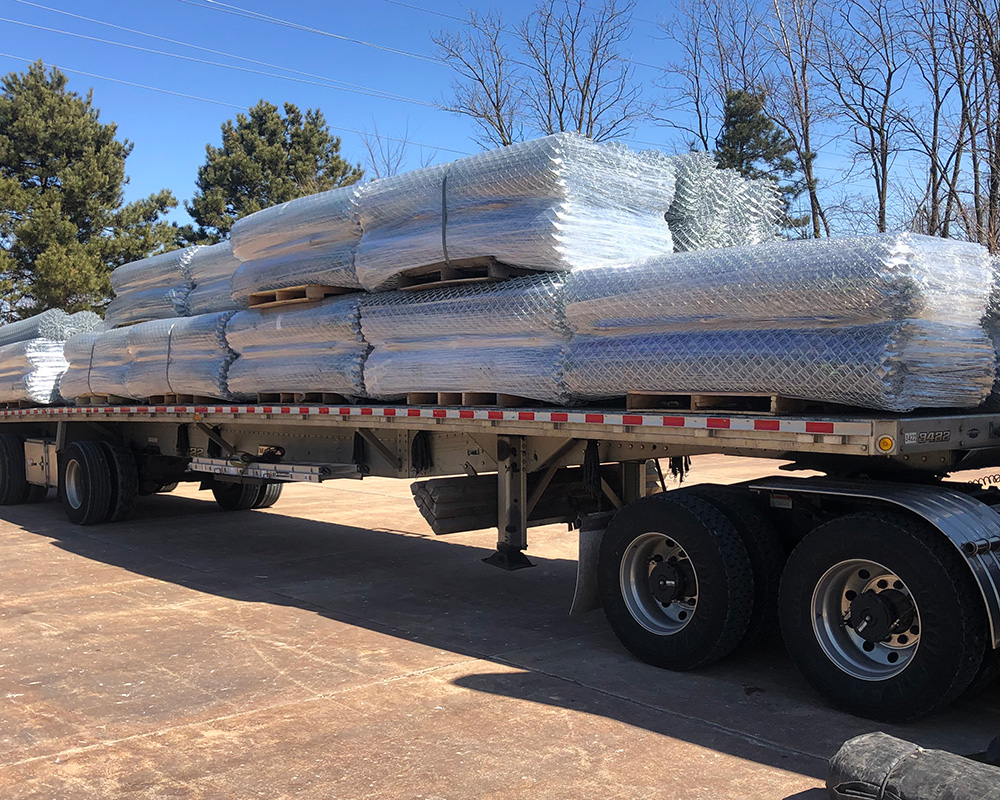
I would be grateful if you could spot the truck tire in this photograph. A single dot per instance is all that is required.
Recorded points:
(14, 487)
(85, 483)
(882, 616)
(268, 495)
(124, 481)
(236, 496)
(675, 581)
(766, 550)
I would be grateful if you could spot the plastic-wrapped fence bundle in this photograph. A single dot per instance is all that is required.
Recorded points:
(211, 270)
(316, 348)
(188, 355)
(555, 204)
(151, 288)
(108, 363)
(809, 283)
(307, 240)
(715, 207)
(501, 338)
(30, 371)
(887, 366)
(79, 354)
(890, 322)
(54, 324)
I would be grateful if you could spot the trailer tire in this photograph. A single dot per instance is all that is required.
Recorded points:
(85, 483)
(268, 495)
(13, 483)
(124, 481)
(675, 581)
(767, 556)
(834, 583)
(235, 496)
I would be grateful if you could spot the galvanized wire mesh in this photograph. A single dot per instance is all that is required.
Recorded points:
(301, 349)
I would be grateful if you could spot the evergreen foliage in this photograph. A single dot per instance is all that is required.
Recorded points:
(750, 143)
(265, 159)
(63, 223)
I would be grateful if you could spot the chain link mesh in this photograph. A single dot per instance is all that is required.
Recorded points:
(307, 349)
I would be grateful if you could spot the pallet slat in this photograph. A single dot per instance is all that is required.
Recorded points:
(292, 295)
(459, 272)
(495, 400)
(302, 398)
(732, 402)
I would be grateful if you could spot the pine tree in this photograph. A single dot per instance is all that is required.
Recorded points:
(266, 159)
(750, 143)
(63, 224)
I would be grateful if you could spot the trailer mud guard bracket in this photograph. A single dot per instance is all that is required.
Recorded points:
(973, 527)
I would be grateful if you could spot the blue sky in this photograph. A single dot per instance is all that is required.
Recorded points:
(170, 131)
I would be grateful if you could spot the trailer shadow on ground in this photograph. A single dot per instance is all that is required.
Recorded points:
(436, 592)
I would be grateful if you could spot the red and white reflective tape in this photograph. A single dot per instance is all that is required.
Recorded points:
(645, 420)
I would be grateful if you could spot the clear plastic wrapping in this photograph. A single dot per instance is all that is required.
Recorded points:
(54, 324)
(558, 203)
(151, 288)
(199, 357)
(890, 322)
(306, 240)
(30, 371)
(809, 283)
(315, 348)
(185, 355)
(502, 337)
(524, 366)
(211, 270)
(109, 362)
(79, 354)
(715, 207)
(889, 366)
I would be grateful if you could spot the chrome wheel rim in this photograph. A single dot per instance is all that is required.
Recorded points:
(866, 620)
(659, 584)
(74, 483)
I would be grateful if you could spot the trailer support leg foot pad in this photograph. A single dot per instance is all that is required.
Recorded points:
(508, 558)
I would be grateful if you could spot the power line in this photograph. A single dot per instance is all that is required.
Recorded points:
(189, 45)
(226, 8)
(426, 10)
(327, 84)
(222, 103)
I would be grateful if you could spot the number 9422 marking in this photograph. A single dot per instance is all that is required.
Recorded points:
(927, 437)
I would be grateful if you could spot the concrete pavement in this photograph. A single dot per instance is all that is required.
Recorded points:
(331, 647)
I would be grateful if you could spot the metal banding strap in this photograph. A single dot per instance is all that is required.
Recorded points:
(444, 215)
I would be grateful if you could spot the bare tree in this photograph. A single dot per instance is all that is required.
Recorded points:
(793, 33)
(486, 85)
(864, 62)
(388, 155)
(569, 73)
(719, 42)
(981, 102)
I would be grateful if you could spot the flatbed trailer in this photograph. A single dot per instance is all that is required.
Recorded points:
(884, 578)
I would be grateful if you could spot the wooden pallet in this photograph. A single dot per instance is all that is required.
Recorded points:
(494, 400)
(18, 404)
(734, 402)
(137, 322)
(458, 273)
(293, 295)
(102, 400)
(301, 398)
(173, 399)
